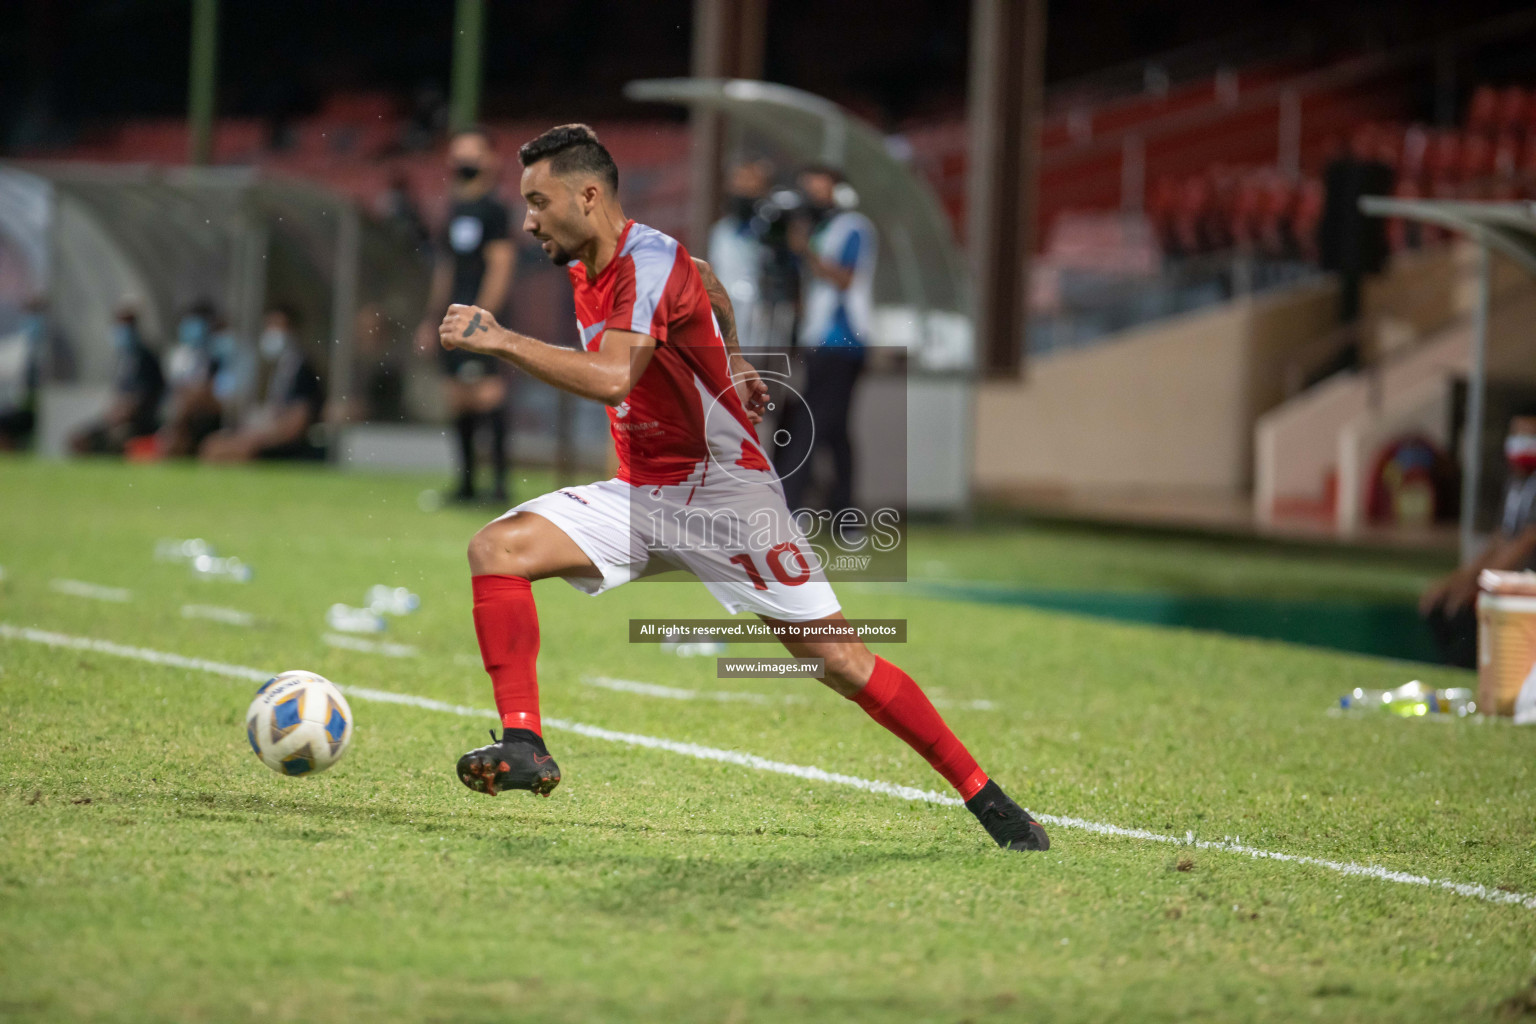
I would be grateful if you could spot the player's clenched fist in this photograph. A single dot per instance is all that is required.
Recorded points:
(469, 328)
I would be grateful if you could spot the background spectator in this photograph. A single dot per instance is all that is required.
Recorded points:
(137, 390)
(1450, 604)
(189, 368)
(736, 249)
(20, 356)
(234, 372)
(278, 428)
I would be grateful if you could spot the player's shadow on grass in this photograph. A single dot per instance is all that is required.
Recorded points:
(643, 829)
(477, 819)
(712, 888)
(312, 819)
(313, 814)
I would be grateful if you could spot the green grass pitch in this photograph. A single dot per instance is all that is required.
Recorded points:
(152, 869)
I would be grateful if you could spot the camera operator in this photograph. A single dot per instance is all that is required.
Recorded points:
(737, 250)
(836, 248)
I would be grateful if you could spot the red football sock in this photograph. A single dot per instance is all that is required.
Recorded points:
(896, 702)
(507, 626)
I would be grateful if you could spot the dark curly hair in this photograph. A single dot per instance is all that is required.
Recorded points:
(570, 148)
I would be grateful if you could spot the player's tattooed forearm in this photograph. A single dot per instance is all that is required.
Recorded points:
(727, 322)
(719, 301)
(472, 325)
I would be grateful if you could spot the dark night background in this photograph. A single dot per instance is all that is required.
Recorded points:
(69, 65)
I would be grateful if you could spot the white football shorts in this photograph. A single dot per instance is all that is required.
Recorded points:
(736, 536)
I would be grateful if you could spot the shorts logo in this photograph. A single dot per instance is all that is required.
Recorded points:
(574, 496)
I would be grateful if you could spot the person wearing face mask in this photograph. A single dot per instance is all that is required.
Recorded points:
(277, 428)
(836, 247)
(1449, 605)
(474, 266)
(234, 373)
(191, 366)
(736, 249)
(138, 386)
(190, 360)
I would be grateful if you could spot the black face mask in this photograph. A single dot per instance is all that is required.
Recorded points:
(466, 172)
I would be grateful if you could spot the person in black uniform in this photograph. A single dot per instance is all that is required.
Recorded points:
(473, 267)
(137, 389)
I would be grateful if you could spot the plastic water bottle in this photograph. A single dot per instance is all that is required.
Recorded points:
(1460, 701)
(384, 600)
(167, 550)
(207, 567)
(346, 619)
(1411, 700)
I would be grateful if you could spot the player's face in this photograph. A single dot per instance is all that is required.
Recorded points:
(555, 214)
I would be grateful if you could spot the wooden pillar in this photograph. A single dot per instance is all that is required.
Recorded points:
(1007, 76)
(728, 42)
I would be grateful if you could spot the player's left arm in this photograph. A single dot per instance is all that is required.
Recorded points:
(607, 375)
(749, 386)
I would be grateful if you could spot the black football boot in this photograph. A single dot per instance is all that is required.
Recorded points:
(516, 761)
(1009, 825)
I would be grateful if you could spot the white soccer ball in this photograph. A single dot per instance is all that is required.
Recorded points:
(299, 723)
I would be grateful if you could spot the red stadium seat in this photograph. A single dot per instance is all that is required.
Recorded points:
(1442, 160)
(1513, 109)
(1483, 110)
(1476, 156)
(1506, 154)
(1527, 166)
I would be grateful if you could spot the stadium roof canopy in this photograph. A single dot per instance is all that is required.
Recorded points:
(94, 236)
(1505, 227)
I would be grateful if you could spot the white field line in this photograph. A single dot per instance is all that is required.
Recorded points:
(229, 616)
(725, 696)
(85, 643)
(384, 647)
(80, 588)
(811, 773)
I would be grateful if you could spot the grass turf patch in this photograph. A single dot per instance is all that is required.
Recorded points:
(152, 869)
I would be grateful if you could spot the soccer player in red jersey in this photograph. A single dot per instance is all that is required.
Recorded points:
(693, 491)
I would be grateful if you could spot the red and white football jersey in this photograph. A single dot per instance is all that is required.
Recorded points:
(684, 412)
